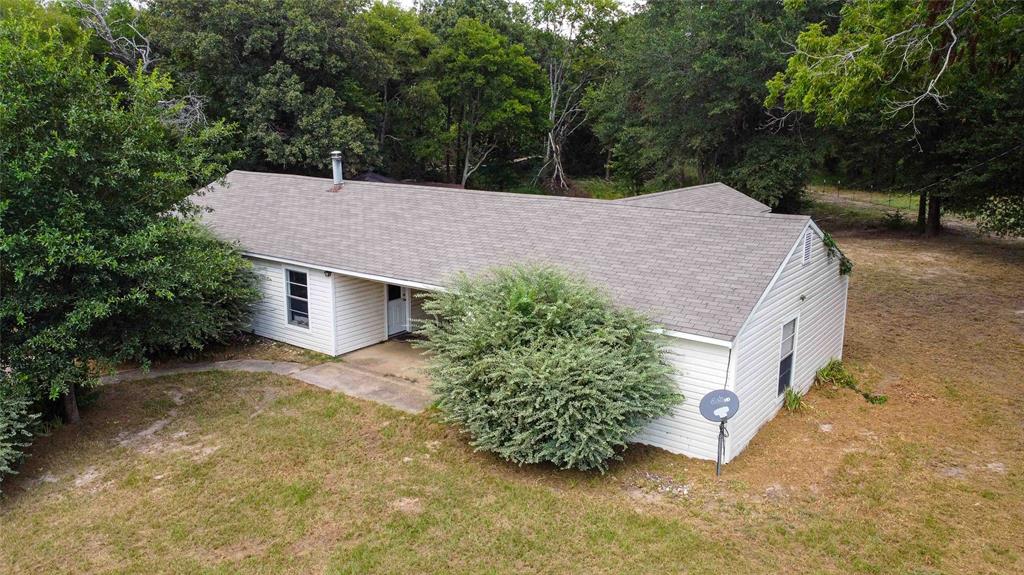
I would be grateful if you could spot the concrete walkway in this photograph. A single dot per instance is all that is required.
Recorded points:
(346, 379)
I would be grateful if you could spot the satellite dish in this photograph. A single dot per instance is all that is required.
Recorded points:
(719, 405)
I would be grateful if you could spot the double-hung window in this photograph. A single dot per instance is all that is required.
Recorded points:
(786, 359)
(298, 298)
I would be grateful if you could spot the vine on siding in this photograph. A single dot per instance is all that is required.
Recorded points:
(845, 263)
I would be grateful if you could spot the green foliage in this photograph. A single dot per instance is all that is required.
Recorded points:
(200, 292)
(773, 170)
(793, 401)
(296, 75)
(538, 367)
(1000, 216)
(835, 375)
(16, 423)
(845, 263)
(409, 116)
(508, 18)
(99, 263)
(895, 220)
(423, 96)
(933, 88)
(683, 98)
(493, 91)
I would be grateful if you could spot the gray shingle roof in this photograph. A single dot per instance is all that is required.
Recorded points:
(690, 271)
(716, 197)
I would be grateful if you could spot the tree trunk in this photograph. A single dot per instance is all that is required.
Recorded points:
(70, 401)
(934, 215)
(922, 211)
(384, 119)
(466, 159)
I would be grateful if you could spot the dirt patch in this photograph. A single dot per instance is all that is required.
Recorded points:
(249, 346)
(267, 396)
(87, 478)
(408, 505)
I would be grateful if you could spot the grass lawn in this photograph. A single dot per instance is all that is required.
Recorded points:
(252, 473)
(904, 202)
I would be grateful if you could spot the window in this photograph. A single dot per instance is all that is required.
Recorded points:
(394, 292)
(808, 237)
(298, 298)
(786, 362)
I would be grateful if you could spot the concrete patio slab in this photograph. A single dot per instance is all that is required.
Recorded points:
(395, 358)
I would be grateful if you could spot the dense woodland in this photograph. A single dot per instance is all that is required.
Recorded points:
(912, 97)
(113, 113)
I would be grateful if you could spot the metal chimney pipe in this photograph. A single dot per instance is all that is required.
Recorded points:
(336, 162)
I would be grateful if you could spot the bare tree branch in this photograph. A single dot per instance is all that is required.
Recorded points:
(134, 51)
(912, 45)
(186, 112)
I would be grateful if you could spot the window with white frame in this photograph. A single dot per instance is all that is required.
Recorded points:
(298, 298)
(786, 359)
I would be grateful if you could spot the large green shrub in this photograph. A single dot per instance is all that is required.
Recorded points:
(536, 366)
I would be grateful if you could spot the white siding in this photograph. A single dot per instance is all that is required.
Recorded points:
(815, 294)
(700, 368)
(360, 312)
(269, 317)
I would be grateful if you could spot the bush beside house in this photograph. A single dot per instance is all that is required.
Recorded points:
(536, 366)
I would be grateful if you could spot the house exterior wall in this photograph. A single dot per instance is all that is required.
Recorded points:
(699, 368)
(360, 313)
(814, 294)
(269, 314)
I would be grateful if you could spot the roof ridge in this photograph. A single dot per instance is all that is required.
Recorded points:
(673, 191)
(529, 197)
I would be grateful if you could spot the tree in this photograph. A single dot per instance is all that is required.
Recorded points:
(536, 366)
(508, 18)
(100, 264)
(567, 43)
(683, 101)
(297, 76)
(773, 171)
(492, 91)
(409, 116)
(943, 77)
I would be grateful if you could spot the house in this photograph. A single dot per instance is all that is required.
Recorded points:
(746, 300)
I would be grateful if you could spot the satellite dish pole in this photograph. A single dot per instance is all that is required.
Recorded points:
(718, 406)
(722, 434)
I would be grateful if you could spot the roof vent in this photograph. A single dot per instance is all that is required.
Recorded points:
(336, 165)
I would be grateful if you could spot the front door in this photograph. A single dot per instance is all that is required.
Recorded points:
(398, 309)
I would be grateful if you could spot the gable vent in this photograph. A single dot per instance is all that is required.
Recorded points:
(808, 237)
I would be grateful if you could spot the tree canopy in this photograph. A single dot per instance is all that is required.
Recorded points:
(99, 262)
(911, 96)
(942, 80)
(684, 98)
(492, 93)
